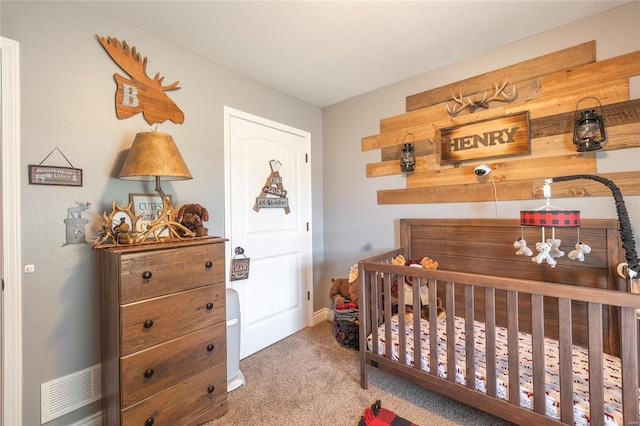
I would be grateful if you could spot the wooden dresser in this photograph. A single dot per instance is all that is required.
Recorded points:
(164, 346)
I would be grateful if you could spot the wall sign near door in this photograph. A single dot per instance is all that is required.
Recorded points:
(273, 194)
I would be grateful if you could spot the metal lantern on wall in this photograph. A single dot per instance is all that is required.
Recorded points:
(588, 130)
(408, 156)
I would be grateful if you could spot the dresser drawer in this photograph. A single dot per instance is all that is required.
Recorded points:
(157, 320)
(150, 274)
(179, 404)
(151, 370)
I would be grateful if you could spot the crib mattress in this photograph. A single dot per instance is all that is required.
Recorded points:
(612, 370)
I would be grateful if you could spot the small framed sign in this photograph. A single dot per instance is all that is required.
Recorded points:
(150, 206)
(54, 175)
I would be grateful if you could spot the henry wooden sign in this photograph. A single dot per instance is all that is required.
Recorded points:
(496, 137)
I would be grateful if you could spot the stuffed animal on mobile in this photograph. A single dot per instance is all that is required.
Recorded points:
(543, 254)
(521, 245)
(555, 247)
(580, 250)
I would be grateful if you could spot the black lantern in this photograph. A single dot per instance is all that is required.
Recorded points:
(588, 130)
(408, 156)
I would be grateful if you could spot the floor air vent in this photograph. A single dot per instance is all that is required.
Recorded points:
(65, 394)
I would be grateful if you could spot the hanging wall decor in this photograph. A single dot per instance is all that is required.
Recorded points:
(273, 194)
(140, 93)
(55, 175)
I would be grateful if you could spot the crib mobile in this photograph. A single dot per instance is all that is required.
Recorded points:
(552, 217)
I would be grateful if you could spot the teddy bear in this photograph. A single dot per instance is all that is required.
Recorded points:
(580, 250)
(424, 310)
(521, 245)
(543, 254)
(343, 291)
(426, 263)
(192, 216)
(555, 247)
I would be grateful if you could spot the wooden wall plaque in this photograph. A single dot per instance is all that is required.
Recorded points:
(490, 138)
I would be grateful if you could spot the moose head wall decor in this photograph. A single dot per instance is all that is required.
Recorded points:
(141, 93)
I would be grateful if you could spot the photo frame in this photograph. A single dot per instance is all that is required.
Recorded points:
(149, 206)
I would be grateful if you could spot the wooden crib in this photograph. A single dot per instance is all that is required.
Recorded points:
(565, 338)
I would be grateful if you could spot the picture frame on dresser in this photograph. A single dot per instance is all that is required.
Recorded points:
(149, 207)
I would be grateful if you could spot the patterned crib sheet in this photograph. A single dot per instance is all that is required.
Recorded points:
(611, 373)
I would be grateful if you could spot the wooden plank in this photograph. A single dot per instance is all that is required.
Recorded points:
(584, 76)
(423, 127)
(621, 136)
(517, 190)
(560, 60)
(628, 182)
(617, 114)
(506, 171)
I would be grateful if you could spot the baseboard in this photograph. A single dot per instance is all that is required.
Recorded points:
(93, 420)
(324, 314)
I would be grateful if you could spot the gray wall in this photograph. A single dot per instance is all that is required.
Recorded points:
(68, 102)
(356, 227)
(67, 96)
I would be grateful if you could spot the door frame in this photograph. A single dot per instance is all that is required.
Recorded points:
(11, 232)
(229, 112)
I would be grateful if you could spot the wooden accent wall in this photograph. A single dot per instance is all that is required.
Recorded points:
(549, 88)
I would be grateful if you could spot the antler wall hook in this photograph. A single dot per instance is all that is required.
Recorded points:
(472, 106)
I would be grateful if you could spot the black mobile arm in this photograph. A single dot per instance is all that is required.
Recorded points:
(626, 233)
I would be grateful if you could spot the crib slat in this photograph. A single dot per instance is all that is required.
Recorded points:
(512, 341)
(364, 289)
(490, 328)
(451, 331)
(565, 360)
(388, 344)
(629, 355)
(433, 330)
(402, 335)
(537, 352)
(596, 389)
(417, 332)
(469, 341)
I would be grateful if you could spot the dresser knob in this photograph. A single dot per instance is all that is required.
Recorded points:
(210, 347)
(211, 388)
(209, 264)
(149, 421)
(209, 306)
(148, 324)
(148, 373)
(147, 275)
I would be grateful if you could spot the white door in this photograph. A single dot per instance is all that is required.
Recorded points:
(268, 215)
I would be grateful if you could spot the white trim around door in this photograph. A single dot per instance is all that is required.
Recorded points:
(11, 230)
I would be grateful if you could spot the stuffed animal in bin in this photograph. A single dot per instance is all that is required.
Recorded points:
(192, 216)
(344, 290)
(580, 250)
(543, 254)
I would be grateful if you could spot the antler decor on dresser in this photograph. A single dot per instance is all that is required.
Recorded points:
(141, 93)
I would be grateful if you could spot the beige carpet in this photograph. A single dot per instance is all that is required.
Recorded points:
(309, 379)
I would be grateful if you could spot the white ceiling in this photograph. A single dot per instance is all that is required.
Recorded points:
(323, 52)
